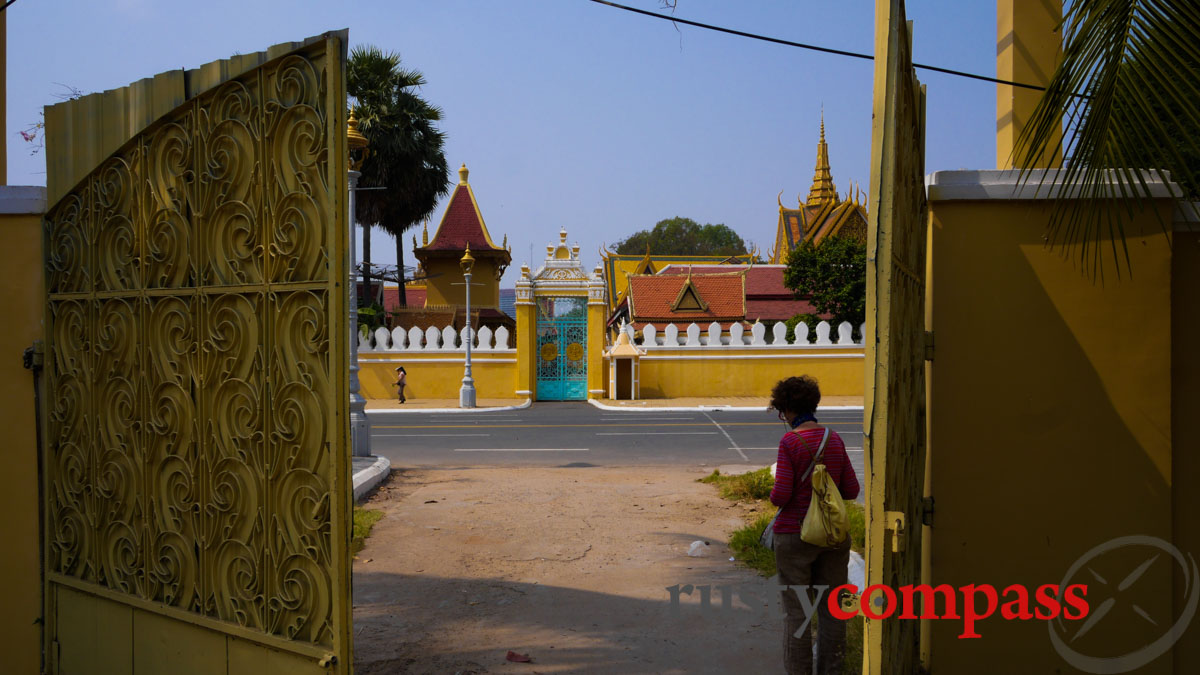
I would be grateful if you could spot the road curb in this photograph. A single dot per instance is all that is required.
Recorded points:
(413, 411)
(697, 408)
(369, 478)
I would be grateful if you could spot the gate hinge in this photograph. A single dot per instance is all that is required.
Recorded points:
(928, 345)
(927, 511)
(895, 522)
(327, 661)
(34, 356)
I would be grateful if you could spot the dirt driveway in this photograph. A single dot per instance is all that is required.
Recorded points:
(573, 566)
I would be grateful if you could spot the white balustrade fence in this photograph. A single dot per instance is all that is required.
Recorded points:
(433, 340)
(715, 336)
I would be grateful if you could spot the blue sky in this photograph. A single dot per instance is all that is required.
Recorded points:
(568, 113)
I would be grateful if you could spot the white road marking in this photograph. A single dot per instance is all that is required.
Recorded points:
(643, 417)
(656, 433)
(731, 441)
(521, 449)
(425, 435)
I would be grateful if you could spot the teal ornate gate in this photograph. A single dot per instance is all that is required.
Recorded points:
(561, 348)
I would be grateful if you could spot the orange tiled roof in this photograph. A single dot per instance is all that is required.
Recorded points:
(652, 297)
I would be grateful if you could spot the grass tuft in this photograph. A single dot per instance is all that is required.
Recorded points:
(364, 520)
(745, 546)
(746, 487)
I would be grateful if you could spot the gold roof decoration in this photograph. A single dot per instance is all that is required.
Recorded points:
(356, 143)
(623, 347)
(823, 190)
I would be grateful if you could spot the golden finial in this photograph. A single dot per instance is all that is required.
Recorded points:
(415, 247)
(467, 261)
(504, 244)
(424, 233)
(823, 189)
(356, 143)
(779, 198)
(462, 174)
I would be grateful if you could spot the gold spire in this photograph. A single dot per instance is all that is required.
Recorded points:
(822, 190)
(462, 174)
(424, 233)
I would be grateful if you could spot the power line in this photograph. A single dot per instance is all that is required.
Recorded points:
(6, 5)
(816, 48)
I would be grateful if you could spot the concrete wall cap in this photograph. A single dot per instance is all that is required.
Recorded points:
(943, 186)
(22, 200)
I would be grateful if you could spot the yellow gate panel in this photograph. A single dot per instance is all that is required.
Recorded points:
(894, 404)
(196, 461)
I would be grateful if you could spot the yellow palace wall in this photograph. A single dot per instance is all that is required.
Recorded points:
(1051, 415)
(437, 375)
(674, 373)
(22, 306)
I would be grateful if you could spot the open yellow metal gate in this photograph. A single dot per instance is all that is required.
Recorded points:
(894, 412)
(196, 472)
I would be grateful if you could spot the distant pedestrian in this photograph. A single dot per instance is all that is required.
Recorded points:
(401, 380)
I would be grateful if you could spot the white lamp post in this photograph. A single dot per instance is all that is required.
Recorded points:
(360, 426)
(466, 395)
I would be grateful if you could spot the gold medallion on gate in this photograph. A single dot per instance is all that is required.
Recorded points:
(549, 351)
(574, 351)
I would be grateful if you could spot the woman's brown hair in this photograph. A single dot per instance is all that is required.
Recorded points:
(798, 395)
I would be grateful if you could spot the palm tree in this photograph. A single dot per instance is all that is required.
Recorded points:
(406, 149)
(1128, 91)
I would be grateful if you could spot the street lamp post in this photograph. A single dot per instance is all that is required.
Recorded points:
(360, 426)
(466, 395)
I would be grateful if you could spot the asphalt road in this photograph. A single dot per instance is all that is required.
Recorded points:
(578, 434)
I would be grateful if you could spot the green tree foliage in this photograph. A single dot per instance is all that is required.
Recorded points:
(833, 276)
(684, 236)
(1127, 95)
(406, 147)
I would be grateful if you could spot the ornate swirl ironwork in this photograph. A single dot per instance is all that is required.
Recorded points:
(192, 447)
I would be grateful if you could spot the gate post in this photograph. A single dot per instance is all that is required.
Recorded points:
(526, 337)
(596, 312)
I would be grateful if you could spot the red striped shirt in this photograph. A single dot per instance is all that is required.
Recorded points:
(793, 461)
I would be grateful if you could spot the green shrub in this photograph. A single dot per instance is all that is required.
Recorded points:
(744, 544)
(809, 320)
(746, 487)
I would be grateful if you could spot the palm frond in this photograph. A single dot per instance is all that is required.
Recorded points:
(406, 148)
(1126, 98)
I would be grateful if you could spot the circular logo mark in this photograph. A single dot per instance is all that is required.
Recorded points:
(574, 351)
(1118, 590)
(549, 351)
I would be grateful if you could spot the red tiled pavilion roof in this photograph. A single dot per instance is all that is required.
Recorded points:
(761, 280)
(462, 224)
(652, 296)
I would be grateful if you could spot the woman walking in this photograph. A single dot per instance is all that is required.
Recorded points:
(801, 563)
(401, 380)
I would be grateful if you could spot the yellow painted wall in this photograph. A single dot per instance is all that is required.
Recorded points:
(1185, 423)
(597, 313)
(1028, 48)
(526, 341)
(444, 273)
(1051, 414)
(22, 306)
(727, 375)
(437, 376)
